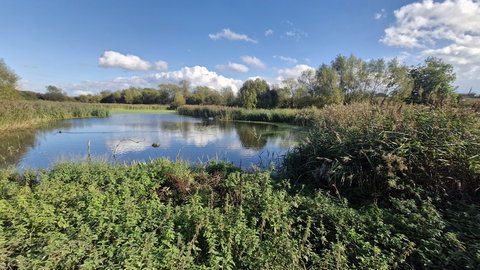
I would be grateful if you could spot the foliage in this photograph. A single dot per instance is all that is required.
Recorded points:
(163, 215)
(388, 148)
(55, 94)
(433, 78)
(255, 92)
(8, 82)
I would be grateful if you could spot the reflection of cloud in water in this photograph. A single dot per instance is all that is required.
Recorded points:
(127, 146)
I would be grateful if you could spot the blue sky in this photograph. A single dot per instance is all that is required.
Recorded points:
(89, 46)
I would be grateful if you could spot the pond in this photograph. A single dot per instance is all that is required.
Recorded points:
(192, 139)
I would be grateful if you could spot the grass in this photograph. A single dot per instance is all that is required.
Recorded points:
(26, 114)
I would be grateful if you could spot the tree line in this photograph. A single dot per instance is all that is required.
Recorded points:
(343, 80)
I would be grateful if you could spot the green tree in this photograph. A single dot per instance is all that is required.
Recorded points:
(433, 78)
(250, 91)
(185, 86)
(228, 96)
(55, 94)
(292, 86)
(171, 89)
(8, 82)
(328, 89)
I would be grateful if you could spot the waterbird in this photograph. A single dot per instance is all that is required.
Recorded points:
(155, 145)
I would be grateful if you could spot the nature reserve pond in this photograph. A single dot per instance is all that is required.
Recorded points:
(242, 143)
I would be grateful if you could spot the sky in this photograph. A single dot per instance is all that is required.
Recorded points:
(85, 47)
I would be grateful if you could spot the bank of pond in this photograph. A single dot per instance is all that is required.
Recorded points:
(369, 186)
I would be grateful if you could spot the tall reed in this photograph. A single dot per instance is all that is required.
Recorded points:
(391, 148)
(21, 114)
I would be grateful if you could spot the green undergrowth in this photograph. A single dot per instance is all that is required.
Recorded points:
(165, 215)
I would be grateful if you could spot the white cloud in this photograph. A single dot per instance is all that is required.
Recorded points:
(269, 32)
(129, 62)
(227, 33)
(381, 15)
(233, 67)
(288, 59)
(297, 33)
(196, 75)
(80, 92)
(449, 30)
(253, 61)
(293, 72)
(307, 60)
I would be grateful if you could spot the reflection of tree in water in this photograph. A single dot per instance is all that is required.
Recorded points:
(15, 144)
(183, 126)
(255, 135)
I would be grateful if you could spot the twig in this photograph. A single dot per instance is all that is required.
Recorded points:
(115, 152)
(178, 154)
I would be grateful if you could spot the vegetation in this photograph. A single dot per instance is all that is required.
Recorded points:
(302, 117)
(163, 214)
(8, 82)
(433, 79)
(22, 114)
(377, 184)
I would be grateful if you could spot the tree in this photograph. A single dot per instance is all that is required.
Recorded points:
(328, 86)
(433, 78)
(8, 82)
(55, 94)
(185, 86)
(309, 82)
(228, 96)
(291, 85)
(250, 91)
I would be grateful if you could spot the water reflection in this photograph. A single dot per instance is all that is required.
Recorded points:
(198, 138)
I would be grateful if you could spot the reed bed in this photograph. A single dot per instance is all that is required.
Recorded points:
(391, 148)
(241, 114)
(24, 114)
(134, 107)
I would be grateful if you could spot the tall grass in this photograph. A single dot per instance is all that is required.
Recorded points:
(22, 114)
(231, 113)
(391, 148)
(135, 106)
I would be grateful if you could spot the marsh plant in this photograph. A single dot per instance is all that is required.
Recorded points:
(24, 114)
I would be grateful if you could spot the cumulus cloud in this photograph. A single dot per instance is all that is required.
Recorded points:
(129, 62)
(269, 32)
(253, 61)
(198, 76)
(449, 29)
(233, 67)
(307, 60)
(227, 33)
(80, 92)
(381, 15)
(288, 59)
(293, 72)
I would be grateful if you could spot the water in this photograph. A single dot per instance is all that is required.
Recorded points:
(192, 139)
